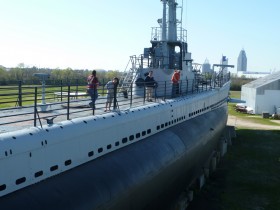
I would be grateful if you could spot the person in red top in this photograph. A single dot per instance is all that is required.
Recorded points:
(92, 86)
(175, 83)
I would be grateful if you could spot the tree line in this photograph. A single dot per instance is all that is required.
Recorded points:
(237, 82)
(25, 74)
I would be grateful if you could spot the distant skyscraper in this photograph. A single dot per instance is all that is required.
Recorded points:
(242, 61)
(206, 68)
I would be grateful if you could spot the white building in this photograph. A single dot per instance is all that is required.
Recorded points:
(251, 74)
(242, 61)
(263, 94)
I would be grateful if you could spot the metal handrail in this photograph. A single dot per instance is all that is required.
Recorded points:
(74, 107)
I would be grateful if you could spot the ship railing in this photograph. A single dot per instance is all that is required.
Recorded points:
(156, 34)
(65, 103)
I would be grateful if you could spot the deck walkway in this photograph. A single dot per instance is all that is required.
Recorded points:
(23, 117)
(61, 107)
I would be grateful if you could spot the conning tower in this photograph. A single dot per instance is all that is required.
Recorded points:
(169, 41)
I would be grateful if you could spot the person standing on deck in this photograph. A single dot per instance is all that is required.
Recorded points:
(150, 84)
(110, 93)
(92, 86)
(175, 83)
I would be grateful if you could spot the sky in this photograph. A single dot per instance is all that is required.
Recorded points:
(103, 34)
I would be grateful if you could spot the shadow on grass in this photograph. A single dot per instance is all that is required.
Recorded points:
(248, 176)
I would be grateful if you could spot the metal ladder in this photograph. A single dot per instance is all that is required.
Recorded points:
(130, 74)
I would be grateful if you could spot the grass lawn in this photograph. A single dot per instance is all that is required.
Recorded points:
(235, 94)
(9, 95)
(248, 176)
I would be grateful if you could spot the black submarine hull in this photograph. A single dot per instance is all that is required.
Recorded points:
(143, 175)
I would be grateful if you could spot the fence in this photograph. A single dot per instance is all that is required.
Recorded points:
(27, 105)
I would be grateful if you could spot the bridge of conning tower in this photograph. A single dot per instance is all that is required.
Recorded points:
(169, 40)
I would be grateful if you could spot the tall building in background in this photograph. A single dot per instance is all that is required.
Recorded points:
(242, 61)
(206, 67)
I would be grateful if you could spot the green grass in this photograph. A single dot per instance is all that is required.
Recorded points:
(235, 94)
(253, 181)
(247, 177)
(9, 94)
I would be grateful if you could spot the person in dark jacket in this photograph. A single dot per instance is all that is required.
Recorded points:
(150, 85)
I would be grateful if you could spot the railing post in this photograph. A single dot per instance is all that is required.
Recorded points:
(35, 106)
(155, 92)
(103, 86)
(180, 88)
(61, 83)
(144, 99)
(68, 103)
(215, 79)
(202, 86)
(20, 93)
(77, 88)
(115, 97)
(193, 85)
(131, 95)
(165, 86)
(187, 87)
(95, 91)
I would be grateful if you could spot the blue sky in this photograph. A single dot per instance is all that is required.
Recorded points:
(94, 34)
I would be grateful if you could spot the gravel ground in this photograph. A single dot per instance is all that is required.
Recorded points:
(239, 122)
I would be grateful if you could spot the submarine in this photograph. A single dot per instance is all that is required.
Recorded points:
(136, 158)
